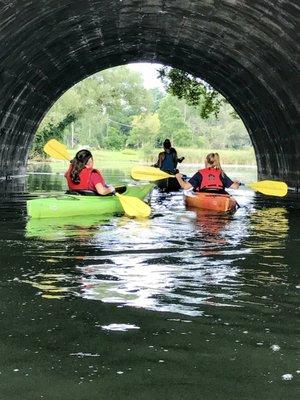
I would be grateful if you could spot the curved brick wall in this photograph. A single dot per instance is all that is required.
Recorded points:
(246, 49)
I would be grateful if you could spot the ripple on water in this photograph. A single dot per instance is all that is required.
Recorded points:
(179, 264)
(119, 327)
(196, 295)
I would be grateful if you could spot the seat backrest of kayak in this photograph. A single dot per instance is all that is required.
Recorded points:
(212, 191)
(82, 192)
(119, 189)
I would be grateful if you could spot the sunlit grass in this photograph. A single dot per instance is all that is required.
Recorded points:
(124, 159)
(228, 156)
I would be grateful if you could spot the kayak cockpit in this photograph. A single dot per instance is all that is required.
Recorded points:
(119, 189)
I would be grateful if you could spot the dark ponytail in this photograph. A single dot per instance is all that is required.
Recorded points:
(78, 163)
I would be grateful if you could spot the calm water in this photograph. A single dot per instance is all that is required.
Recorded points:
(184, 305)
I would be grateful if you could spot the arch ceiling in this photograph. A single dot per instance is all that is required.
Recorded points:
(247, 49)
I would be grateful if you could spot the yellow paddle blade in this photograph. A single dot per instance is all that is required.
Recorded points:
(148, 174)
(56, 150)
(270, 188)
(134, 207)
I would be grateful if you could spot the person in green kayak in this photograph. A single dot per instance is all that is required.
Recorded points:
(209, 179)
(83, 178)
(167, 159)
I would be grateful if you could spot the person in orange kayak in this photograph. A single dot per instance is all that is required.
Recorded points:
(83, 178)
(209, 179)
(168, 159)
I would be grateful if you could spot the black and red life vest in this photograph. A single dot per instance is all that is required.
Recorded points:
(211, 179)
(85, 179)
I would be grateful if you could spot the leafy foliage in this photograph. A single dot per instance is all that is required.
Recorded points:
(113, 140)
(194, 91)
(113, 110)
(50, 131)
(144, 130)
(172, 119)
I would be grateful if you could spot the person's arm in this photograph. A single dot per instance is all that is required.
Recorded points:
(98, 184)
(185, 185)
(175, 155)
(228, 183)
(235, 185)
(103, 189)
(159, 161)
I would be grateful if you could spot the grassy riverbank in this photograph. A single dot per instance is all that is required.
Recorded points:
(228, 156)
(127, 157)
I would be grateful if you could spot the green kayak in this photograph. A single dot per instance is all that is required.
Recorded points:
(68, 205)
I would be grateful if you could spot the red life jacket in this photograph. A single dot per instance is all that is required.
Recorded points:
(211, 179)
(85, 179)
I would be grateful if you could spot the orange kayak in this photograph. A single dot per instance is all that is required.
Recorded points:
(211, 201)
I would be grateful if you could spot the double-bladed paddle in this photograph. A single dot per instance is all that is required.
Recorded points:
(267, 187)
(140, 173)
(132, 206)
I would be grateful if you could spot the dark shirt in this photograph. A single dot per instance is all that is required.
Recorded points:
(167, 160)
(196, 180)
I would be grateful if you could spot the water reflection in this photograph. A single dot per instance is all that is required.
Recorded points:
(42, 179)
(211, 227)
(266, 264)
(11, 186)
(63, 228)
(150, 264)
(172, 303)
(269, 228)
(50, 286)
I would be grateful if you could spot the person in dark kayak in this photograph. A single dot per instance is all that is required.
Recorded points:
(209, 179)
(83, 178)
(167, 159)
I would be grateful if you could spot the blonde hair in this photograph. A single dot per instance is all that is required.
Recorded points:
(212, 160)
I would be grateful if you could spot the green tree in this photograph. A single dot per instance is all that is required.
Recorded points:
(112, 109)
(157, 97)
(114, 140)
(50, 131)
(108, 98)
(183, 138)
(172, 121)
(145, 129)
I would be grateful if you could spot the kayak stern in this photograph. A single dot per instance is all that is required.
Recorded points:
(211, 201)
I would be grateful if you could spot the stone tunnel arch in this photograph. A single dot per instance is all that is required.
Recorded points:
(246, 49)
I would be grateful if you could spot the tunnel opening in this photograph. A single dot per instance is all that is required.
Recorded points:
(246, 50)
(129, 109)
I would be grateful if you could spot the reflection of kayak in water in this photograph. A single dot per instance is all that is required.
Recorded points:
(168, 185)
(211, 222)
(211, 226)
(210, 201)
(75, 205)
(62, 228)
